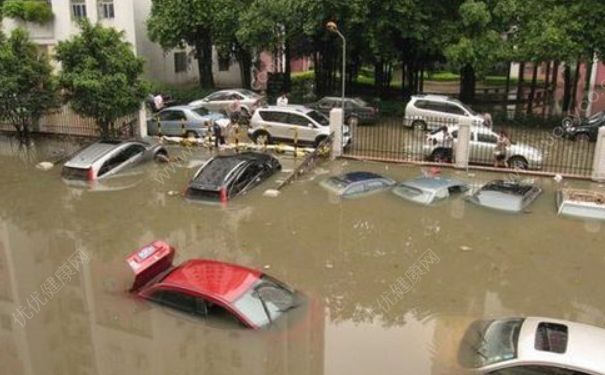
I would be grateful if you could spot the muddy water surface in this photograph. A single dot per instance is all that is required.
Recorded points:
(391, 286)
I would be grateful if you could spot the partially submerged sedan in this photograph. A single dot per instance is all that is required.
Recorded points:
(354, 184)
(533, 346)
(107, 158)
(226, 176)
(428, 190)
(584, 204)
(209, 288)
(510, 196)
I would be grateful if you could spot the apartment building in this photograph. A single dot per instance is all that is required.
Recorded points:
(171, 67)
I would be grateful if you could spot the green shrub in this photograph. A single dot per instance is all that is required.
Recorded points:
(36, 11)
(181, 94)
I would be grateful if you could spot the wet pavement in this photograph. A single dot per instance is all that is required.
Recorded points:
(391, 286)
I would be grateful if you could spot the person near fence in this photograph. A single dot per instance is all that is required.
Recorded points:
(219, 139)
(282, 100)
(448, 145)
(235, 109)
(502, 144)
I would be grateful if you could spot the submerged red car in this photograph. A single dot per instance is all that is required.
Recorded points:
(205, 287)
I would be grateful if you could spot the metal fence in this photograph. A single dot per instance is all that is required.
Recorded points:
(432, 141)
(64, 121)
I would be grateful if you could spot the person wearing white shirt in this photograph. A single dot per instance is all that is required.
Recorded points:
(282, 100)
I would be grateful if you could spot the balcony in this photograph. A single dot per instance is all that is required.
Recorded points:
(36, 16)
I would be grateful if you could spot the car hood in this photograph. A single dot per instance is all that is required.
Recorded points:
(525, 150)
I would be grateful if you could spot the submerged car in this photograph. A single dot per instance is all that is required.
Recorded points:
(357, 111)
(586, 130)
(429, 190)
(207, 288)
(354, 184)
(107, 158)
(511, 196)
(585, 204)
(533, 346)
(188, 121)
(227, 176)
(221, 101)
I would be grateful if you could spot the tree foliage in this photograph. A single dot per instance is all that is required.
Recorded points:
(37, 11)
(100, 75)
(27, 86)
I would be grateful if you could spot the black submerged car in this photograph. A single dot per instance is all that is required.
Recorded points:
(227, 176)
(357, 111)
(587, 129)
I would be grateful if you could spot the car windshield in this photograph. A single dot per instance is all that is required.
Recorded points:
(360, 102)
(413, 194)
(319, 118)
(466, 107)
(490, 341)
(266, 301)
(201, 111)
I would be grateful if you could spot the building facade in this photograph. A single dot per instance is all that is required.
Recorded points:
(168, 67)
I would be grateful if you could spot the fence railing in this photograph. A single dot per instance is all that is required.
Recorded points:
(433, 140)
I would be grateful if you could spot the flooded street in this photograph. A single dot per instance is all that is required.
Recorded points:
(391, 286)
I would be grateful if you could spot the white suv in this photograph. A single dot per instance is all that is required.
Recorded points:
(284, 123)
(434, 111)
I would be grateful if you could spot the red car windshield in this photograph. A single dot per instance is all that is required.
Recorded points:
(265, 302)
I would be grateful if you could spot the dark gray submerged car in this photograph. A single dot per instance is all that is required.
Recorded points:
(227, 176)
(107, 158)
(509, 196)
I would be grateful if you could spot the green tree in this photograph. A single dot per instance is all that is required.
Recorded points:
(100, 75)
(181, 23)
(27, 86)
(37, 11)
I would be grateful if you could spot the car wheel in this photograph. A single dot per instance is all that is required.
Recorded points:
(518, 162)
(440, 156)
(261, 137)
(353, 121)
(583, 137)
(419, 125)
(567, 122)
(190, 134)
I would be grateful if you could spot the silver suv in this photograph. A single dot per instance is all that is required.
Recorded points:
(220, 101)
(434, 111)
(285, 123)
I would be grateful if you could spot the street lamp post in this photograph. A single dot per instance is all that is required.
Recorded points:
(332, 27)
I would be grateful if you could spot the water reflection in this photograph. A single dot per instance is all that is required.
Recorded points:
(343, 255)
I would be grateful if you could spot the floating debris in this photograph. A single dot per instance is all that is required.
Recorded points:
(266, 266)
(558, 178)
(45, 165)
(173, 193)
(466, 248)
(271, 193)
(329, 265)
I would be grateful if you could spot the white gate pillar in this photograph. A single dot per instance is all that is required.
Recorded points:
(143, 121)
(336, 126)
(598, 165)
(462, 144)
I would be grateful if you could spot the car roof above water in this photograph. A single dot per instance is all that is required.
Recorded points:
(503, 195)
(432, 183)
(212, 175)
(87, 156)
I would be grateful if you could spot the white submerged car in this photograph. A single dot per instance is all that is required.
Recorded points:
(583, 204)
(533, 346)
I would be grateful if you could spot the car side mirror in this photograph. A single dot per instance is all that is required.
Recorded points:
(310, 125)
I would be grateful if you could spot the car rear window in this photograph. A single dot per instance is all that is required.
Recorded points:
(205, 195)
(274, 116)
(201, 111)
(551, 337)
(70, 173)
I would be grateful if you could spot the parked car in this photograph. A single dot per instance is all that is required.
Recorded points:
(220, 101)
(434, 111)
(357, 111)
(227, 176)
(429, 190)
(188, 121)
(355, 184)
(107, 158)
(587, 129)
(481, 149)
(584, 204)
(510, 196)
(285, 123)
(533, 345)
(209, 288)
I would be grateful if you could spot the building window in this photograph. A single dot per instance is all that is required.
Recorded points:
(78, 8)
(106, 9)
(224, 62)
(180, 62)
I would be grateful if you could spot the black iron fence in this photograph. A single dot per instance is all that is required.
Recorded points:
(507, 147)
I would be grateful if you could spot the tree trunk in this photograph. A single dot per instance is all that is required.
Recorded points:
(566, 88)
(421, 85)
(532, 93)
(547, 77)
(378, 77)
(244, 59)
(520, 81)
(203, 50)
(587, 88)
(403, 90)
(467, 83)
(574, 96)
(507, 86)
(555, 76)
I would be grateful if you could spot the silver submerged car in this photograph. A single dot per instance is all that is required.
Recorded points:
(510, 196)
(429, 190)
(188, 121)
(583, 204)
(220, 101)
(356, 184)
(533, 346)
(107, 158)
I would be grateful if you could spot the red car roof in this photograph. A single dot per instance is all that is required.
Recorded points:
(218, 280)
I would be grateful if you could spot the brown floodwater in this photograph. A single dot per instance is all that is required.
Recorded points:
(457, 262)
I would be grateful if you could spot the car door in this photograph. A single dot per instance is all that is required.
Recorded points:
(248, 178)
(435, 114)
(482, 146)
(218, 102)
(183, 302)
(456, 113)
(276, 123)
(121, 160)
(302, 127)
(171, 121)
